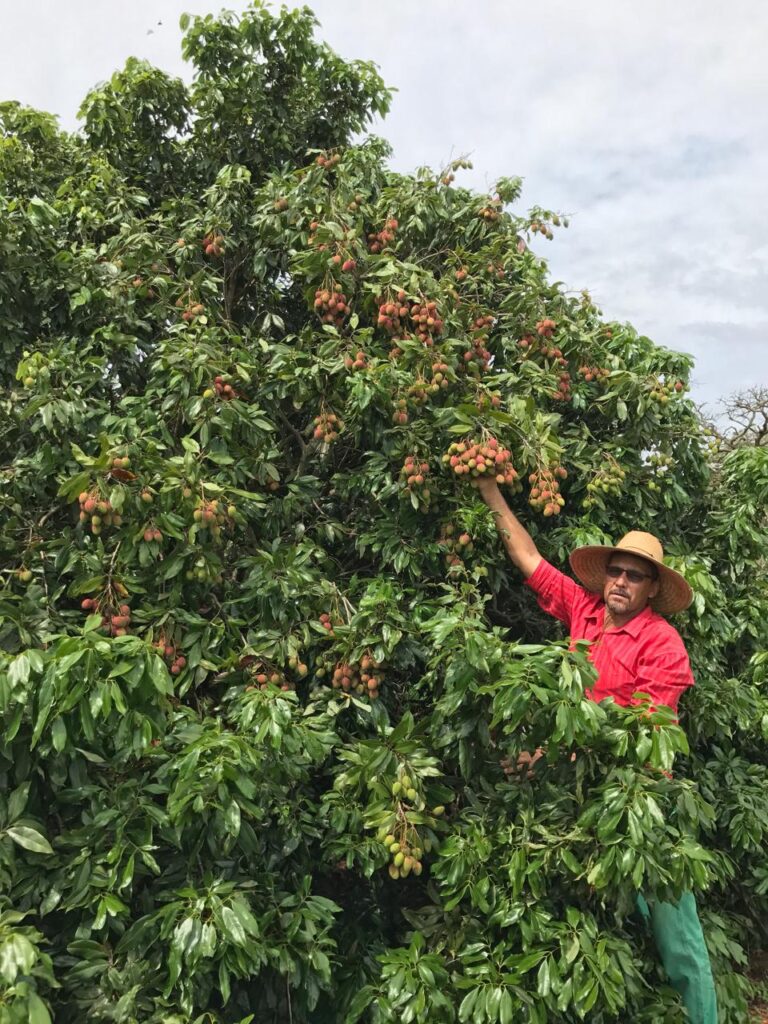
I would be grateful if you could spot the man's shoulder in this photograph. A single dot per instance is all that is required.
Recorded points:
(661, 631)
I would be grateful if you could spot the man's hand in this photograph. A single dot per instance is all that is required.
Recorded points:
(526, 762)
(487, 487)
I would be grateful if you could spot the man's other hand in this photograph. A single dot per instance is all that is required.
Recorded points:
(526, 762)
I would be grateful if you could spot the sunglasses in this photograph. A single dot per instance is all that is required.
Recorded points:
(633, 575)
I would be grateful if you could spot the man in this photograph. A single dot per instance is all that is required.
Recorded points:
(627, 589)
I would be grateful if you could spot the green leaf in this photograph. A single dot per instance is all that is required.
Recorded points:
(17, 801)
(232, 927)
(18, 670)
(29, 838)
(37, 1010)
(58, 734)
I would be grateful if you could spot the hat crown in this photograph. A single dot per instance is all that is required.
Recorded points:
(645, 545)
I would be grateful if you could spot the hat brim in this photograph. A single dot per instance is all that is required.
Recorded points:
(589, 564)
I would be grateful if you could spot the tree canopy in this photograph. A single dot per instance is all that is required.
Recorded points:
(261, 656)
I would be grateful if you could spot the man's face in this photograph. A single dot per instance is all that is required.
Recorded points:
(625, 595)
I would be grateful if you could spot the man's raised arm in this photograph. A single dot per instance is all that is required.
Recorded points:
(518, 542)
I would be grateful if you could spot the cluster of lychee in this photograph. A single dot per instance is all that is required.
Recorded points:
(327, 623)
(660, 467)
(203, 572)
(439, 380)
(97, 510)
(478, 357)
(347, 265)
(422, 388)
(146, 291)
(427, 322)
(168, 650)
(221, 389)
(400, 415)
(331, 305)
(363, 677)
(562, 392)
(482, 458)
(486, 400)
(393, 314)
(540, 228)
(212, 243)
(33, 366)
(151, 533)
(491, 212)
(371, 676)
(359, 362)
(419, 391)
(327, 427)
(608, 481)
(328, 160)
(280, 205)
(120, 463)
(265, 676)
(115, 620)
(496, 270)
(213, 515)
(414, 482)
(662, 391)
(593, 373)
(192, 310)
(530, 346)
(405, 859)
(545, 489)
(455, 547)
(546, 328)
(379, 240)
(403, 843)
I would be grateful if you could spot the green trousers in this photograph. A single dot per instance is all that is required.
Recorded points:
(680, 942)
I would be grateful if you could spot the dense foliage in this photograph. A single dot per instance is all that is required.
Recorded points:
(262, 655)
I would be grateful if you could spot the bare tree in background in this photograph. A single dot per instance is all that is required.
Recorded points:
(746, 413)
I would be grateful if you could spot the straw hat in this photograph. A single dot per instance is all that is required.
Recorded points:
(589, 564)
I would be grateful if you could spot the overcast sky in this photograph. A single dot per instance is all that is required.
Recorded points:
(647, 123)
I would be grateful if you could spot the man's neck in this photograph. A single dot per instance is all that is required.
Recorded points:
(613, 620)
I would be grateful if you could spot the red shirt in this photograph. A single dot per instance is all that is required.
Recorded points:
(646, 654)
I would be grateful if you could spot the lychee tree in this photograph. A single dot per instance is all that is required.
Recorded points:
(263, 661)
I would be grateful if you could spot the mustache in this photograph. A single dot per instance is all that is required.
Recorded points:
(618, 592)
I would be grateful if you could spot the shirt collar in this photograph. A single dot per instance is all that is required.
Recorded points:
(636, 624)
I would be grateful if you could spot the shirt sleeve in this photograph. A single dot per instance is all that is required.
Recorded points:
(664, 672)
(556, 593)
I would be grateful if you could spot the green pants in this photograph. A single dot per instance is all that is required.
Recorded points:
(680, 942)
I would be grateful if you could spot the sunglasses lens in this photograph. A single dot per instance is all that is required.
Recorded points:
(614, 571)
